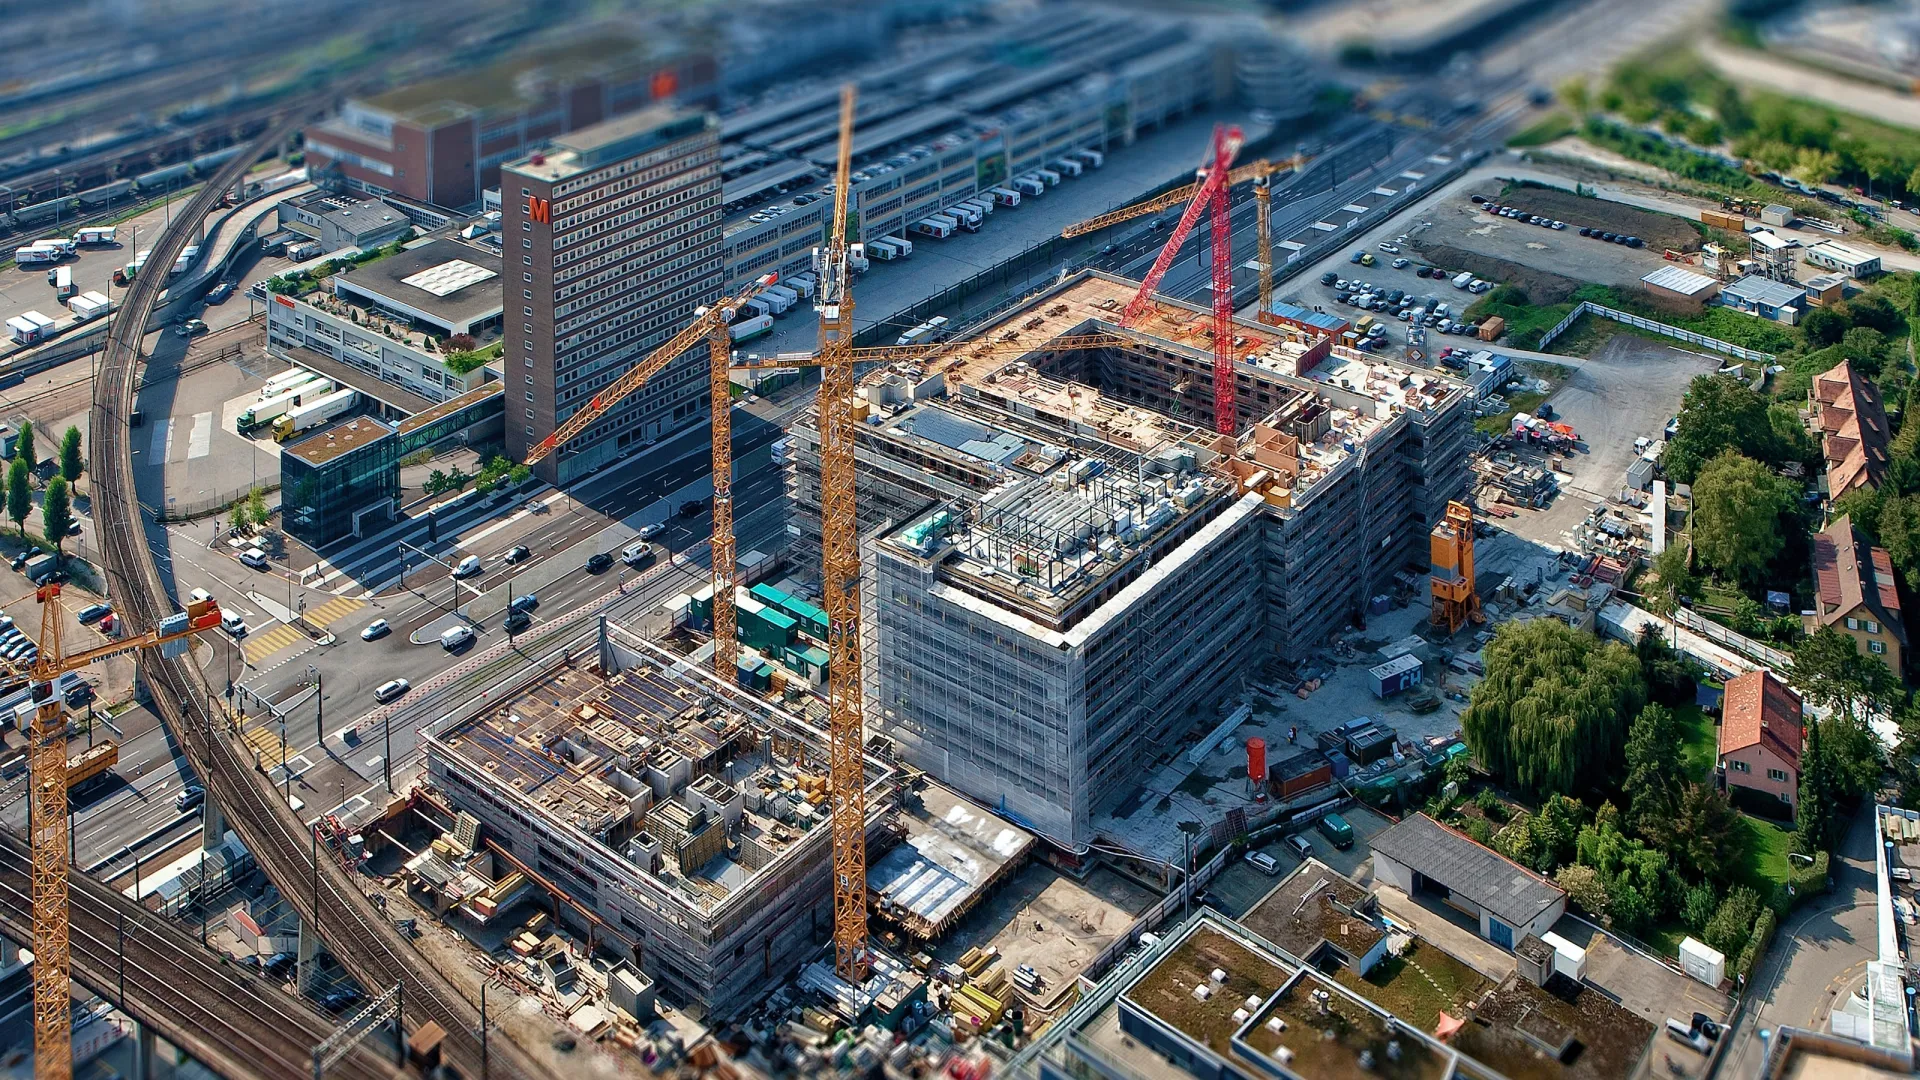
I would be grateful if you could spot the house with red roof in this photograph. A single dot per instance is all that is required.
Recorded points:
(1854, 592)
(1847, 412)
(1761, 736)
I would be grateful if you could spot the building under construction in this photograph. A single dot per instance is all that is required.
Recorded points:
(1065, 570)
(685, 816)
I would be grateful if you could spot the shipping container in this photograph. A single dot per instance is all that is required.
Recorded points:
(1395, 675)
(29, 328)
(1729, 222)
(89, 305)
(1302, 772)
(1005, 196)
(901, 243)
(1492, 328)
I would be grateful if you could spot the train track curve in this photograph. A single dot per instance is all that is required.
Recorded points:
(364, 941)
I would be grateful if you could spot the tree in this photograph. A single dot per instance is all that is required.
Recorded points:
(1654, 781)
(70, 464)
(1814, 813)
(56, 512)
(1673, 579)
(1697, 905)
(1669, 681)
(1719, 413)
(19, 493)
(1737, 507)
(435, 483)
(1733, 920)
(1702, 836)
(1863, 505)
(256, 511)
(1832, 672)
(23, 445)
(1547, 716)
(1584, 886)
(1898, 530)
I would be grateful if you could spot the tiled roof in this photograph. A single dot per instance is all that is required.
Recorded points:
(1761, 710)
(1853, 425)
(1849, 573)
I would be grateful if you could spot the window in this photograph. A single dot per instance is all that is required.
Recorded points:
(529, 277)
(529, 416)
(1739, 766)
(529, 380)
(526, 242)
(529, 431)
(529, 393)
(1871, 626)
(528, 293)
(526, 226)
(526, 191)
(1778, 776)
(1877, 648)
(529, 327)
(1853, 624)
(526, 260)
(529, 311)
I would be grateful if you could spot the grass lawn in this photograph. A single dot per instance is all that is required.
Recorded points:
(1763, 855)
(1589, 332)
(1699, 740)
(1549, 128)
(1665, 938)
(1398, 985)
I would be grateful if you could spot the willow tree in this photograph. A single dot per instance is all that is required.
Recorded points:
(1551, 715)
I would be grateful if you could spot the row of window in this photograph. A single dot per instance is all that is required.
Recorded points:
(577, 253)
(637, 171)
(636, 273)
(650, 199)
(640, 312)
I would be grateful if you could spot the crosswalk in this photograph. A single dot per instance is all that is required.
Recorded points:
(265, 743)
(259, 647)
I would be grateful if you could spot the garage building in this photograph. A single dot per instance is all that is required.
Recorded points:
(1678, 289)
(1421, 856)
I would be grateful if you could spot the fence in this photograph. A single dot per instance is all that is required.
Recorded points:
(187, 510)
(1739, 643)
(1639, 322)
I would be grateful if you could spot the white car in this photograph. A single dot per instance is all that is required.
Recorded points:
(467, 567)
(233, 623)
(255, 558)
(376, 629)
(391, 689)
(648, 532)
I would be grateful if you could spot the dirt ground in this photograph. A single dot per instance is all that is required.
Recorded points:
(1626, 390)
(1541, 286)
(1658, 230)
(1047, 919)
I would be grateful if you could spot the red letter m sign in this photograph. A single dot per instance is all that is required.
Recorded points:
(540, 210)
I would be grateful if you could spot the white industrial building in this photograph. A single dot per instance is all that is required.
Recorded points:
(1421, 856)
(1850, 261)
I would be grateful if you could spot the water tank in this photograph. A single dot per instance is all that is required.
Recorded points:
(1256, 757)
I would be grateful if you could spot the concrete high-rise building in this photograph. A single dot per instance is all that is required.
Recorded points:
(1064, 573)
(610, 240)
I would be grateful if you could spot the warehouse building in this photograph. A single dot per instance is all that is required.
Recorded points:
(1419, 856)
(670, 805)
(1065, 571)
(1680, 290)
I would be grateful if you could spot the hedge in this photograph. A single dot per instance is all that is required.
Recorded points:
(1808, 881)
(1756, 946)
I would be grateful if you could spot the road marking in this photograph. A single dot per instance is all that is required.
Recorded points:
(267, 642)
(162, 442)
(334, 610)
(200, 439)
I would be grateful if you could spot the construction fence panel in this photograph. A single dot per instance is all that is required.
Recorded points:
(1739, 643)
(1640, 322)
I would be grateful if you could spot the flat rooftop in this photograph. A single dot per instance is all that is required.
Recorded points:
(1315, 1028)
(622, 137)
(955, 852)
(1596, 1037)
(445, 280)
(329, 443)
(1166, 991)
(513, 82)
(657, 766)
(1312, 905)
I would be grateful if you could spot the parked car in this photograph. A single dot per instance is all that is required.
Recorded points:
(254, 558)
(1329, 278)
(1262, 862)
(220, 293)
(1401, 263)
(1301, 846)
(375, 630)
(91, 613)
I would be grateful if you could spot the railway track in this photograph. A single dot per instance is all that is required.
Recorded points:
(310, 879)
(227, 1017)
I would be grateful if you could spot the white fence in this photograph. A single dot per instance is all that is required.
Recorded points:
(1588, 307)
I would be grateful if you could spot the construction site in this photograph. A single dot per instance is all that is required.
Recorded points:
(1058, 550)
(681, 815)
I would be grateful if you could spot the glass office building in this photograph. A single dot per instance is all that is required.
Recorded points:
(335, 480)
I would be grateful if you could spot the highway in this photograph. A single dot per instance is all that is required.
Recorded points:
(326, 897)
(226, 1017)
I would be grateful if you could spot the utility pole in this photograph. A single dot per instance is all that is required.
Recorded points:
(319, 705)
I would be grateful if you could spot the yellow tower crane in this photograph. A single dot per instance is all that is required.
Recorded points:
(47, 828)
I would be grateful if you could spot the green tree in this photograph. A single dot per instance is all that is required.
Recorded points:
(19, 493)
(1814, 812)
(519, 474)
(1584, 886)
(70, 464)
(1654, 780)
(1702, 837)
(1863, 505)
(256, 508)
(56, 513)
(1733, 920)
(23, 445)
(1672, 579)
(1737, 507)
(1898, 530)
(1832, 672)
(1548, 715)
(1697, 905)
(1719, 413)
(435, 483)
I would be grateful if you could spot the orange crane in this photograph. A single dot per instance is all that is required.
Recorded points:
(710, 324)
(47, 827)
(1455, 599)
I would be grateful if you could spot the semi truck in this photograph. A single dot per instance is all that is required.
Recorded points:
(750, 322)
(1093, 159)
(1030, 186)
(934, 227)
(139, 260)
(186, 257)
(882, 250)
(857, 258)
(94, 761)
(289, 398)
(308, 417)
(286, 380)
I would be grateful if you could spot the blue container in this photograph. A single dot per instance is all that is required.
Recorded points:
(1341, 766)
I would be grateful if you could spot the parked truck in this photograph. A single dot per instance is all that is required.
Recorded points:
(30, 327)
(289, 398)
(308, 417)
(35, 255)
(777, 300)
(101, 236)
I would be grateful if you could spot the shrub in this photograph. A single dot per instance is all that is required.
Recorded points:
(1697, 907)
(1585, 888)
(1732, 920)
(1756, 947)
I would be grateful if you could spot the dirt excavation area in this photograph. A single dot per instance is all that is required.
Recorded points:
(1660, 231)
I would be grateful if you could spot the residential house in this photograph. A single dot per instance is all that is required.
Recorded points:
(1854, 592)
(1847, 412)
(1761, 736)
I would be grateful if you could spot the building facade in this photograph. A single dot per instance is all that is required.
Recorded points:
(611, 241)
(1856, 594)
(1761, 736)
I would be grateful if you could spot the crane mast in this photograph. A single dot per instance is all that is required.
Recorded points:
(840, 579)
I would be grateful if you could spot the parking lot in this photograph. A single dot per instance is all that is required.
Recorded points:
(1625, 391)
(1391, 271)
(1545, 261)
(1241, 884)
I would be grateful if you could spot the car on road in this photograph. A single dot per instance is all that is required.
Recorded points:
(648, 532)
(524, 602)
(466, 568)
(233, 623)
(456, 638)
(518, 621)
(599, 562)
(190, 796)
(391, 689)
(190, 328)
(693, 507)
(518, 553)
(255, 558)
(93, 613)
(375, 630)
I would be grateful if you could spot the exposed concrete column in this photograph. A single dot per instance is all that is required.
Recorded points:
(143, 1052)
(213, 824)
(308, 952)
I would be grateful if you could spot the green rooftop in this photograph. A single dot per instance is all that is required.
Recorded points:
(496, 87)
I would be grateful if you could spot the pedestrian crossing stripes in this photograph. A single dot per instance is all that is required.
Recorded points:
(265, 744)
(269, 641)
(334, 610)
